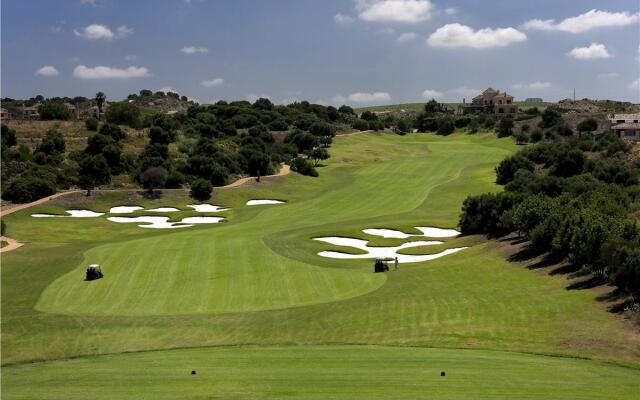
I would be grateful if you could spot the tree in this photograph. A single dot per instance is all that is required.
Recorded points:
(153, 178)
(506, 127)
(8, 137)
(52, 111)
(113, 131)
(258, 164)
(52, 144)
(317, 155)
(433, 106)
(123, 113)
(263, 104)
(94, 171)
(521, 137)
(506, 170)
(369, 116)
(344, 109)
(588, 125)
(100, 100)
(550, 118)
(201, 189)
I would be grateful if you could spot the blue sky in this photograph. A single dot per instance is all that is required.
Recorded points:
(357, 52)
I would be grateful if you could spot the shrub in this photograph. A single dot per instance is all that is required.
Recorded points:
(536, 136)
(28, 188)
(123, 113)
(201, 189)
(506, 127)
(368, 116)
(91, 124)
(112, 130)
(445, 126)
(506, 170)
(303, 166)
(360, 125)
(51, 110)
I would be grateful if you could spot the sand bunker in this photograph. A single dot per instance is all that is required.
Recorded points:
(263, 201)
(124, 209)
(150, 222)
(207, 208)
(164, 209)
(426, 232)
(163, 222)
(72, 213)
(382, 252)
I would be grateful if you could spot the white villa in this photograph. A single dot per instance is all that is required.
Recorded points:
(626, 126)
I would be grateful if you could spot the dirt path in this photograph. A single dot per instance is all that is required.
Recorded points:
(13, 244)
(242, 181)
(19, 207)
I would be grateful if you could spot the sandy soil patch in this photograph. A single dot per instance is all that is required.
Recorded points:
(207, 208)
(72, 214)
(124, 209)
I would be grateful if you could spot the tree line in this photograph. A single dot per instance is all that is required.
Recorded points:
(572, 197)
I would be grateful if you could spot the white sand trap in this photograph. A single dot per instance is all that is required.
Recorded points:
(124, 209)
(72, 214)
(202, 220)
(207, 208)
(263, 201)
(437, 232)
(164, 209)
(426, 232)
(150, 222)
(382, 252)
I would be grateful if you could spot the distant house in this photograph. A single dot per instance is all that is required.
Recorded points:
(626, 126)
(30, 112)
(4, 114)
(491, 101)
(75, 112)
(533, 100)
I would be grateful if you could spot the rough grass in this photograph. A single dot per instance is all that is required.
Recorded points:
(472, 299)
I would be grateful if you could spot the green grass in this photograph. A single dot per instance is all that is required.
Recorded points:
(256, 279)
(321, 372)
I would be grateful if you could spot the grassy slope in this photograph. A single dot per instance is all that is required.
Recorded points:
(321, 372)
(472, 299)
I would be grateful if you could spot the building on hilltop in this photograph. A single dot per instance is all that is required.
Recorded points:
(533, 100)
(626, 126)
(4, 114)
(490, 101)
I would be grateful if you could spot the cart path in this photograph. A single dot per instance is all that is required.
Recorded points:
(13, 244)
(242, 181)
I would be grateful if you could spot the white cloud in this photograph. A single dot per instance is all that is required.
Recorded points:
(342, 19)
(212, 82)
(608, 75)
(431, 94)
(102, 72)
(406, 37)
(97, 32)
(410, 11)
(464, 91)
(131, 57)
(635, 85)
(584, 22)
(123, 31)
(338, 99)
(457, 35)
(377, 97)
(168, 89)
(252, 97)
(47, 70)
(194, 50)
(93, 3)
(533, 85)
(451, 11)
(594, 51)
